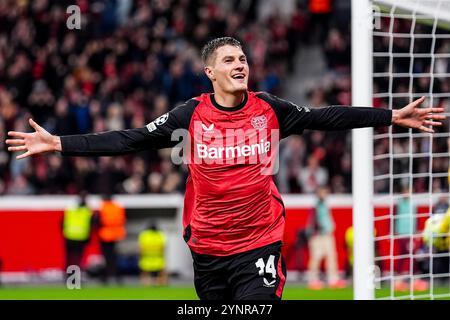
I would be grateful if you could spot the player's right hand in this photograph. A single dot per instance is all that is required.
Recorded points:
(33, 143)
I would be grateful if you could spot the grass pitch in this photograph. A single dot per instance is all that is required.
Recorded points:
(90, 292)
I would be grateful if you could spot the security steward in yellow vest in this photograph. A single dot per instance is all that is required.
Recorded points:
(77, 224)
(152, 263)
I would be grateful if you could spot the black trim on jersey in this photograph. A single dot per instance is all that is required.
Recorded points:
(187, 233)
(152, 136)
(236, 108)
(281, 202)
(293, 119)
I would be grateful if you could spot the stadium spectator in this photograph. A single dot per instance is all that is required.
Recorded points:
(292, 154)
(349, 245)
(312, 176)
(152, 262)
(436, 236)
(441, 206)
(76, 229)
(322, 244)
(405, 228)
(111, 224)
(337, 51)
(320, 11)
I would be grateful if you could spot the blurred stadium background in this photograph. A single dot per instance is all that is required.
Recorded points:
(132, 61)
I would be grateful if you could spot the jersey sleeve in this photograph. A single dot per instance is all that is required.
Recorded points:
(294, 119)
(155, 135)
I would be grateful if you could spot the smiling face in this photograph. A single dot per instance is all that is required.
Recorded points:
(228, 70)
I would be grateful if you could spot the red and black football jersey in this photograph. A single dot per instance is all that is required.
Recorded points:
(231, 203)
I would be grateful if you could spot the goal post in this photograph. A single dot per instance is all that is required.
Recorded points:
(362, 165)
(400, 52)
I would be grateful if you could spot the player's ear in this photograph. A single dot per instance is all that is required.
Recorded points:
(209, 73)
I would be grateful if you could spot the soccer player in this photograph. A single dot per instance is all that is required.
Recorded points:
(233, 214)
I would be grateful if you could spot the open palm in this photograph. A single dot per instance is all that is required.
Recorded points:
(33, 143)
(412, 116)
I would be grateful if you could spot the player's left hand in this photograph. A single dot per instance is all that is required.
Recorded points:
(412, 116)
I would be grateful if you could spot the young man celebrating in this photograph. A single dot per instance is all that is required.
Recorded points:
(233, 214)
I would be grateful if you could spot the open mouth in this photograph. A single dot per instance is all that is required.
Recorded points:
(239, 76)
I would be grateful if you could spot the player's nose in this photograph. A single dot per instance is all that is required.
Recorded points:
(239, 67)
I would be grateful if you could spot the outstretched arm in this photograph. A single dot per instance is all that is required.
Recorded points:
(341, 118)
(294, 119)
(97, 144)
(156, 135)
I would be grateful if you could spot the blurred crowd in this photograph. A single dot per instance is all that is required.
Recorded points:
(320, 158)
(317, 158)
(132, 61)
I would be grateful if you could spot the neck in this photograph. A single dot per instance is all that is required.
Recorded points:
(229, 100)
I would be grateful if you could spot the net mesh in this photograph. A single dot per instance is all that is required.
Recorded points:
(411, 59)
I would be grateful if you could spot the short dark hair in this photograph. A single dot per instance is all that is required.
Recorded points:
(210, 48)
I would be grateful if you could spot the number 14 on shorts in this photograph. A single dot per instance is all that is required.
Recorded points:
(267, 268)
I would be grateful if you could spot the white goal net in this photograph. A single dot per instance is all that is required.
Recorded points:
(411, 59)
